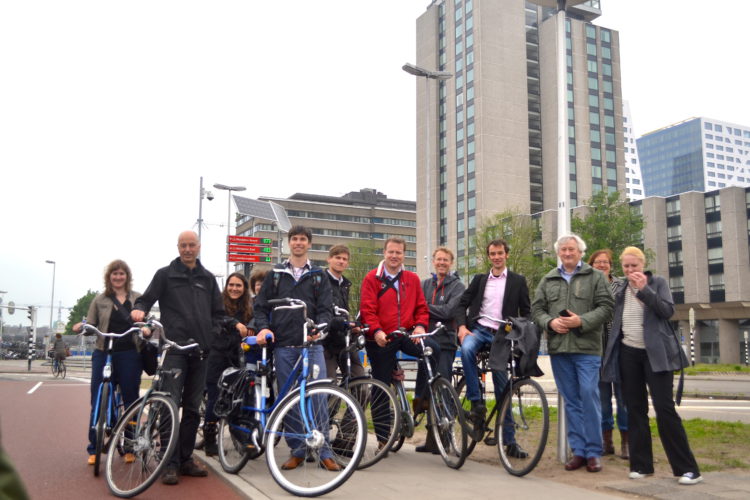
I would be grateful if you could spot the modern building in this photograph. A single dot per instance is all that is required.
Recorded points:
(490, 132)
(698, 154)
(633, 178)
(700, 242)
(364, 217)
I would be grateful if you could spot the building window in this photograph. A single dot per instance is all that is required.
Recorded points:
(675, 258)
(712, 203)
(674, 233)
(716, 281)
(716, 256)
(676, 284)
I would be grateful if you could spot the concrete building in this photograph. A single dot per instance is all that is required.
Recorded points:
(633, 178)
(698, 154)
(359, 217)
(700, 241)
(491, 130)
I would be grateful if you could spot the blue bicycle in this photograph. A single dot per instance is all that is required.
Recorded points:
(312, 414)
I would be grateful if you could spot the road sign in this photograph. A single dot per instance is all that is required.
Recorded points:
(248, 240)
(239, 257)
(247, 249)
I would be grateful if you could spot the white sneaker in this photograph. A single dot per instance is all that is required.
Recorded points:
(638, 475)
(689, 478)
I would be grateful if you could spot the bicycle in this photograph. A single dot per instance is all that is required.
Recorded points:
(310, 414)
(108, 403)
(58, 368)
(146, 435)
(523, 413)
(374, 397)
(445, 416)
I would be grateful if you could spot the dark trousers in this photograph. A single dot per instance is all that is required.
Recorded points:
(336, 359)
(636, 375)
(126, 372)
(187, 392)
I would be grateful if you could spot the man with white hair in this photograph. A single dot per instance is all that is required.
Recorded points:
(573, 303)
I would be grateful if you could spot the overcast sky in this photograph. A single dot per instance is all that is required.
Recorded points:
(110, 112)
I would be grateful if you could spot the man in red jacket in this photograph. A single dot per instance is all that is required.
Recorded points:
(392, 298)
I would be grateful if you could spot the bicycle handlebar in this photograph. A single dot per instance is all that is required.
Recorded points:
(404, 333)
(291, 304)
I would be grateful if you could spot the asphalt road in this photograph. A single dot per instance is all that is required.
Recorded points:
(44, 432)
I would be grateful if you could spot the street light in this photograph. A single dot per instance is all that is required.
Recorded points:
(229, 208)
(52, 301)
(203, 194)
(3, 292)
(427, 75)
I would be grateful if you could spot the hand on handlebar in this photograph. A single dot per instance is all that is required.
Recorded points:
(262, 336)
(137, 315)
(381, 338)
(418, 330)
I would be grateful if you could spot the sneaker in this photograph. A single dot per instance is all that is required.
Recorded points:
(192, 469)
(129, 458)
(689, 478)
(92, 459)
(638, 475)
(170, 475)
(514, 450)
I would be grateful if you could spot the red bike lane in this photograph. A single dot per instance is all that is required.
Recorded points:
(44, 434)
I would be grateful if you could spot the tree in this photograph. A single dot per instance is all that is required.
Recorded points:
(363, 257)
(80, 310)
(610, 222)
(524, 237)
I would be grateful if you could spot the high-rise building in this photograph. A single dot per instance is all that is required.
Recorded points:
(698, 154)
(633, 178)
(491, 130)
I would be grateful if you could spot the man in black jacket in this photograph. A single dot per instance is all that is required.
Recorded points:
(338, 262)
(499, 294)
(191, 309)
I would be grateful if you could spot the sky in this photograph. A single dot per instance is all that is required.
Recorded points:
(110, 113)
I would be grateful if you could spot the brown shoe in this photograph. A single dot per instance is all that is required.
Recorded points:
(609, 447)
(292, 463)
(624, 450)
(575, 463)
(593, 464)
(330, 465)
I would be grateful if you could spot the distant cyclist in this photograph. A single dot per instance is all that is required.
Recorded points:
(59, 351)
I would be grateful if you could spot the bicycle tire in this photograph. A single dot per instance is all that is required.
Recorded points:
(233, 452)
(55, 369)
(376, 397)
(62, 369)
(148, 432)
(100, 423)
(528, 406)
(309, 479)
(466, 405)
(448, 423)
(407, 421)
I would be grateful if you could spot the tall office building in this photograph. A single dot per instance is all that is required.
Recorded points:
(698, 154)
(489, 133)
(633, 178)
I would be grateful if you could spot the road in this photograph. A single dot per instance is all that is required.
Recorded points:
(44, 429)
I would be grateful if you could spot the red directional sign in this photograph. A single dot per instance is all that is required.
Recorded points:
(239, 257)
(248, 240)
(247, 249)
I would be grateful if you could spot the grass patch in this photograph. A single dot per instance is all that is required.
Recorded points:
(702, 368)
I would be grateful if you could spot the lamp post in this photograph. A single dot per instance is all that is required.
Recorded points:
(3, 292)
(203, 194)
(229, 190)
(427, 75)
(51, 303)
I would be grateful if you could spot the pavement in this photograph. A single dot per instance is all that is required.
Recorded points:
(408, 474)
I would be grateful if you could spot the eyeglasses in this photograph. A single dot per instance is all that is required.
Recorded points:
(600, 262)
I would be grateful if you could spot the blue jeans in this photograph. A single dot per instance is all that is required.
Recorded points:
(470, 346)
(577, 379)
(284, 359)
(126, 372)
(605, 394)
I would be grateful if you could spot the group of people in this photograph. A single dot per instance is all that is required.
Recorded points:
(602, 332)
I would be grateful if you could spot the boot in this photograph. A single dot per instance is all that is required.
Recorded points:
(429, 446)
(209, 435)
(624, 449)
(609, 447)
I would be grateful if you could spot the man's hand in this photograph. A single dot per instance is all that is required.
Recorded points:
(380, 338)
(242, 329)
(462, 333)
(418, 330)
(261, 337)
(137, 315)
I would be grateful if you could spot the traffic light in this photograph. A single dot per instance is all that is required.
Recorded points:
(32, 315)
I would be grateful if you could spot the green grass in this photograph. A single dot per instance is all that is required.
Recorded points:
(719, 368)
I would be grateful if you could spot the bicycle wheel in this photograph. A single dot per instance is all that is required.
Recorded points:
(232, 439)
(448, 423)
(407, 421)
(147, 434)
(55, 369)
(382, 418)
(329, 412)
(527, 415)
(62, 369)
(100, 423)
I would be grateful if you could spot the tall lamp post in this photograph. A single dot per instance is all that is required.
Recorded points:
(229, 208)
(51, 303)
(427, 75)
(3, 292)
(203, 194)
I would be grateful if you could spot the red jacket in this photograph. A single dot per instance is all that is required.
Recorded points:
(390, 310)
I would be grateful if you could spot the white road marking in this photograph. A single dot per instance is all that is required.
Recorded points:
(31, 391)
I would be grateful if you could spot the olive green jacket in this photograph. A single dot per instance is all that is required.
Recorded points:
(588, 295)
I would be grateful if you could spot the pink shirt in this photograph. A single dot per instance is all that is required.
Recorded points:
(492, 302)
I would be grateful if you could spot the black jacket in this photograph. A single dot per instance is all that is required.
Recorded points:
(516, 300)
(340, 295)
(189, 302)
(286, 325)
(442, 299)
